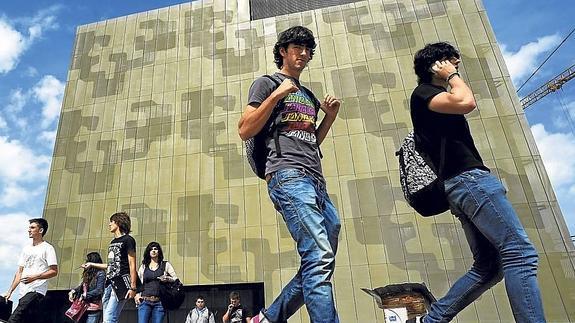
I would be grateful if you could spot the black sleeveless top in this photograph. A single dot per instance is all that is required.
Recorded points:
(151, 281)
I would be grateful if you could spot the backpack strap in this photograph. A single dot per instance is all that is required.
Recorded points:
(276, 119)
(441, 167)
(273, 79)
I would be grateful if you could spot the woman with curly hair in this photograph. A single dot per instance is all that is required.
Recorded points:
(91, 289)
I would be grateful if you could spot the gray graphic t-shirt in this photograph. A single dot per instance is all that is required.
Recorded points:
(297, 137)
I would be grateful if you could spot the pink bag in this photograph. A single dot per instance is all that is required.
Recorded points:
(77, 309)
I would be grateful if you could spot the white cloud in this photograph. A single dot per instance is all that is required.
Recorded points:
(22, 123)
(3, 123)
(31, 71)
(558, 153)
(19, 163)
(20, 170)
(18, 100)
(13, 237)
(523, 62)
(13, 194)
(40, 23)
(564, 115)
(49, 138)
(49, 91)
(12, 45)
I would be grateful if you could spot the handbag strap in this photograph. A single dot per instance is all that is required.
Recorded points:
(163, 267)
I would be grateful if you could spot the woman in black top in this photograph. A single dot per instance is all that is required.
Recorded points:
(153, 271)
(91, 289)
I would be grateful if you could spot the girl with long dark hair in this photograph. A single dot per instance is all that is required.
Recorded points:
(153, 271)
(91, 289)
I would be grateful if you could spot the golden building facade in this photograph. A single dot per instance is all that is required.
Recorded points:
(149, 126)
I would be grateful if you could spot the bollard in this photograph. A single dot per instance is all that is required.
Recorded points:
(405, 302)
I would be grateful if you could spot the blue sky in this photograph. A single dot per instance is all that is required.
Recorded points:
(36, 39)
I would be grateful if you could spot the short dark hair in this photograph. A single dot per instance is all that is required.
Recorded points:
(234, 295)
(123, 221)
(428, 55)
(147, 258)
(297, 35)
(42, 223)
(200, 297)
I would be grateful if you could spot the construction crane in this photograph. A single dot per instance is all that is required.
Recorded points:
(551, 86)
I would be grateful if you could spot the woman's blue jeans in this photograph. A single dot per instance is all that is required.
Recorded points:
(313, 223)
(499, 245)
(150, 310)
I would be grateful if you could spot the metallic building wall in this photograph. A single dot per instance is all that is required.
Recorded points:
(149, 126)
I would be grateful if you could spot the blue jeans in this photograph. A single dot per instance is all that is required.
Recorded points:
(92, 316)
(499, 245)
(111, 305)
(153, 310)
(313, 223)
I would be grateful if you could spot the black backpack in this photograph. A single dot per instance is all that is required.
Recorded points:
(256, 148)
(422, 185)
(172, 294)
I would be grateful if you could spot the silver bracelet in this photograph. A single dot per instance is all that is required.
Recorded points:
(450, 76)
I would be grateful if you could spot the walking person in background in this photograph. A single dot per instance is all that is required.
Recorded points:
(200, 313)
(121, 276)
(294, 174)
(152, 273)
(91, 289)
(37, 264)
(498, 242)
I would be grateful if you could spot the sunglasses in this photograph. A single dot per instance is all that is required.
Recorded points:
(154, 248)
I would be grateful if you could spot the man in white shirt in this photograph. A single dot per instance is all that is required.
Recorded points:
(200, 313)
(37, 264)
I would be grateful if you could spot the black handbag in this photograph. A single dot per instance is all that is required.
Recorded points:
(172, 293)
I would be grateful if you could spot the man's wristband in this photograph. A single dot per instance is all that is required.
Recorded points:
(133, 289)
(450, 76)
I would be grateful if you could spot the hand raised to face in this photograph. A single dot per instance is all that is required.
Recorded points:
(443, 68)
